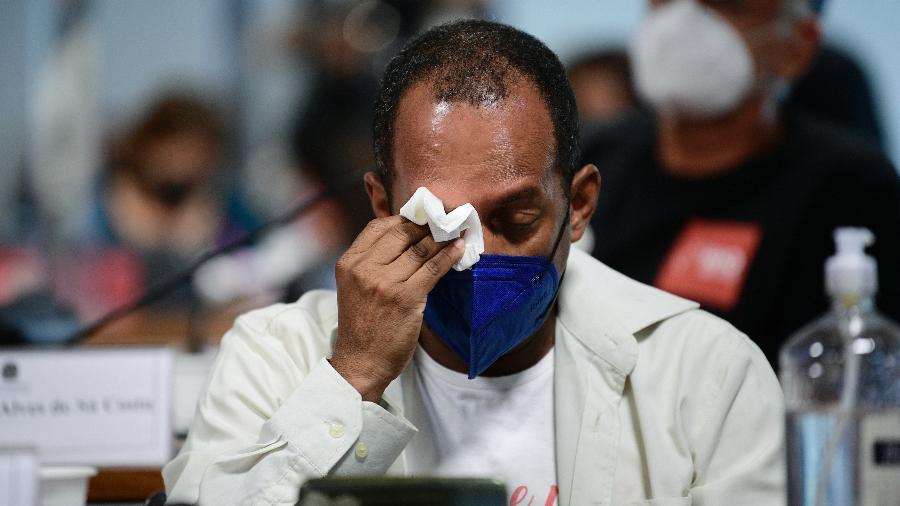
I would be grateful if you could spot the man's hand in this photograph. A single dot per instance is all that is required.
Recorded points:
(383, 282)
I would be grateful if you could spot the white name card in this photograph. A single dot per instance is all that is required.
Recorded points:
(18, 477)
(99, 407)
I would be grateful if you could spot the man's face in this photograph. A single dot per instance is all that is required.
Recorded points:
(499, 157)
(184, 158)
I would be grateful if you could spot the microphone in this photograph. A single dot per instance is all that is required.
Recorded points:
(185, 275)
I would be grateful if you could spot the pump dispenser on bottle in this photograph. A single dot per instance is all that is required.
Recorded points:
(851, 275)
(841, 380)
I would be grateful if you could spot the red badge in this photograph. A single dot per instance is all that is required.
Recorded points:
(709, 260)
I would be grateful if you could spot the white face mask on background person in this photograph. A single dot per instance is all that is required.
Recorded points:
(689, 61)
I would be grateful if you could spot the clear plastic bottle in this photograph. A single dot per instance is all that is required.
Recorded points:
(841, 380)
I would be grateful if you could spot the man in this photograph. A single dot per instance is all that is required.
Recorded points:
(622, 394)
(720, 196)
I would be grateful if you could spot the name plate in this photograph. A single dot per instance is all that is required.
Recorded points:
(99, 407)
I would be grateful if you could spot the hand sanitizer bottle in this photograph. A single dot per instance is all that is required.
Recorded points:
(841, 380)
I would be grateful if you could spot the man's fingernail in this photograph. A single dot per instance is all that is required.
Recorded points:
(458, 243)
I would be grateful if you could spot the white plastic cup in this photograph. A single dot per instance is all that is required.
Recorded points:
(64, 485)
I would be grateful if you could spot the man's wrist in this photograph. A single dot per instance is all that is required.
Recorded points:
(369, 385)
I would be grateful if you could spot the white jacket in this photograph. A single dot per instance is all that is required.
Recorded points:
(656, 403)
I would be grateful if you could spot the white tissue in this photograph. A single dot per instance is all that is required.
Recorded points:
(423, 207)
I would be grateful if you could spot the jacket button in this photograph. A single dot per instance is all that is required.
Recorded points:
(336, 430)
(362, 451)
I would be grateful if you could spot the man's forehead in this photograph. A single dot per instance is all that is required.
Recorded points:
(457, 143)
(476, 187)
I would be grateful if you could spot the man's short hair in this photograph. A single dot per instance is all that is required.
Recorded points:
(476, 62)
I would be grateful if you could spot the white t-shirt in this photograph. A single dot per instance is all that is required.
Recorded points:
(498, 427)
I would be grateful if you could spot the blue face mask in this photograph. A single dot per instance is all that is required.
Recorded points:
(484, 312)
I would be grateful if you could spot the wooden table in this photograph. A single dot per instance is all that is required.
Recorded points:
(124, 485)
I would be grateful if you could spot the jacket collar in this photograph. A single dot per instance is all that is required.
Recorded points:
(618, 308)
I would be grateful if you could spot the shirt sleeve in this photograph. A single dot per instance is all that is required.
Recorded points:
(738, 449)
(263, 428)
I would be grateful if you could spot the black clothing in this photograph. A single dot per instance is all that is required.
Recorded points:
(837, 89)
(332, 140)
(815, 178)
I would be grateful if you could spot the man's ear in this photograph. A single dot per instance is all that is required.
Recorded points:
(378, 196)
(803, 46)
(585, 188)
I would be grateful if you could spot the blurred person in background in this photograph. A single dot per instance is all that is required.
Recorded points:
(722, 196)
(345, 44)
(164, 194)
(348, 43)
(601, 81)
